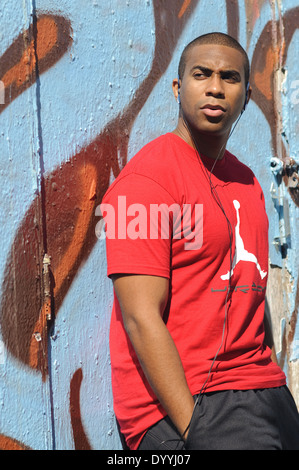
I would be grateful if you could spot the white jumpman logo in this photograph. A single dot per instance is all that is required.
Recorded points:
(240, 253)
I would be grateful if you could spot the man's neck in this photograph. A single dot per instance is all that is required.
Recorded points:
(212, 146)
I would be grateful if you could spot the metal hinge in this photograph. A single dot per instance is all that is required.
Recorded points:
(289, 169)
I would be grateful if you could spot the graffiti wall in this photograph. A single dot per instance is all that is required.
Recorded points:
(84, 85)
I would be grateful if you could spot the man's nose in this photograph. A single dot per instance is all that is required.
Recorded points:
(215, 85)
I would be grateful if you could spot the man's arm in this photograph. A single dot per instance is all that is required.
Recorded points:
(142, 301)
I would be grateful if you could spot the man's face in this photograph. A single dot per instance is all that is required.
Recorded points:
(212, 91)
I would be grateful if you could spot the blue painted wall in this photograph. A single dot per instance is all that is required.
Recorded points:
(84, 85)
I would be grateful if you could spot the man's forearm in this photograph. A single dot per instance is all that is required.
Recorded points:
(163, 368)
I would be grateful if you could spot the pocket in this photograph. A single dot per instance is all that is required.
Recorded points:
(162, 436)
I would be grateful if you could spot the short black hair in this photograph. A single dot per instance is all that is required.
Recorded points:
(220, 39)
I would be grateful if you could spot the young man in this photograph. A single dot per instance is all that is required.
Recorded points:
(187, 252)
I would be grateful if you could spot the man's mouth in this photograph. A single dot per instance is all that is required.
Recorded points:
(213, 110)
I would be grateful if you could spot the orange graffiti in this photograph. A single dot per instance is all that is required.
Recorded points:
(263, 79)
(63, 217)
(87, 184)
(88, 176)
(47, 38)
(184, 8)
(33, 52)
(7, 443)
(253, 12)
(80, 438)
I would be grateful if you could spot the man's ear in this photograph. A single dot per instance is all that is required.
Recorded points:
(176, 89)
(248, 96)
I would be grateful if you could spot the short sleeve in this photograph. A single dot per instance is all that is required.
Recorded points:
(138, 214)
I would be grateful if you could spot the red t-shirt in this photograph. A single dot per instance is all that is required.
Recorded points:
(196, 259)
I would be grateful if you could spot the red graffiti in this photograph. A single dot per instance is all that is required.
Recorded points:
(80, 438)
(32, 53)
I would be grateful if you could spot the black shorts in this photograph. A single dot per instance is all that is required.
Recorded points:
(264, 419)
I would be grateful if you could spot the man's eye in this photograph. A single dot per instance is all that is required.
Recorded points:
(200, 75)
(230, 78)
